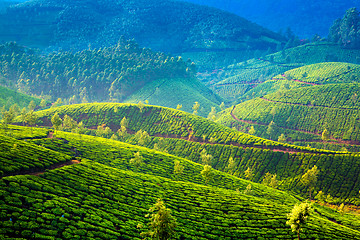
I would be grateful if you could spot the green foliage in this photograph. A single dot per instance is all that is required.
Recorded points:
(9, 97)
(298, 217)
(162, 225)
(346, 31)
(309, 178)
(120, 70)
(184, 92)
(56, 121)
(251, 79)
(178, 168)
(137, 161)
(206, 173)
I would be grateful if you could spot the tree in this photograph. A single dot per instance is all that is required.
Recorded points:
(100, 131)
(162, 225)
(31, 119)
(309, 178)
(231, 164)
(252, 130)
(80, 129)
(122, 132)
(178, 168)
(249, 173)
(69, 123)
(140, 106)
(31, 106)
(142, 137)
(137, 161)
(7, 117)
(342, 209)
(23, 114)
(248, 190)
(56, 121)
(222, 106)
(196, 107)
(58, 102)
(160, 145)
(205, 157)
(325, 136)
(271, 129)
(42, 103)
(298, 217)
(206, 173)
(124, 123)
(346, 31)
(282, 138)
(320, 196)
(270, 180)
(178, 107)
(212, 114)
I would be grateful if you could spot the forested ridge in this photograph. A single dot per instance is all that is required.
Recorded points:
(107, 74)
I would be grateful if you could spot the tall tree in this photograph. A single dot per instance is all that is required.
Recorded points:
(231, 165)
(31, 119)
(162, 224)
(325, 136)
(309, 178)
(56, 121)
(205, 157)
(206, 173)
(137, 161)
(196, 107)
(252, 130)
(298, 217)
(178, 168)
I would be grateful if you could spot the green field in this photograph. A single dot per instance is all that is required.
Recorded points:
(238, 82)
(105, 197)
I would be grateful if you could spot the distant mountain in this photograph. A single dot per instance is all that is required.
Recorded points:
(304, 17)
(163, 25)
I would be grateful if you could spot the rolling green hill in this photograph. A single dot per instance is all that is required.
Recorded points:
(303, 114)
(186, 136)
(171, 92)
(9, 97)
(106, 197)
(237, 82)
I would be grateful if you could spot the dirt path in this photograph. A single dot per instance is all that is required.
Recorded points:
(37, 171)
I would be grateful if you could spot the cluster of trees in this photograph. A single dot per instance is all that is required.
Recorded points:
(107, 74)
(346, 31)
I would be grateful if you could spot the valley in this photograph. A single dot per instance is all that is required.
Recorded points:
(172, 120)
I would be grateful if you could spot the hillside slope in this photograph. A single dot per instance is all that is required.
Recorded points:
(9, 97)
(237, 82)
(108, 198)
(173, 92)
(163, 25)
(185, 135)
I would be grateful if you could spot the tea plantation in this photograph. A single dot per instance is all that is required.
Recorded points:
(106, 198)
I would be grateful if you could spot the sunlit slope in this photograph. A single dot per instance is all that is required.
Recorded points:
(183, 136)
(173, 92)
(90, 200)
(110, 200)
(157, 121)
(239, 79)
(21, 156)
(9, 97)
(309, 110)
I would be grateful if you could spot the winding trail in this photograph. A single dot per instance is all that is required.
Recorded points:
(39, 171)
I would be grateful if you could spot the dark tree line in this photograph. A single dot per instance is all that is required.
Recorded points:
(107, 74)
(346, 31)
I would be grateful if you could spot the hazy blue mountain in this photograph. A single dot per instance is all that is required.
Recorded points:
(304, 17)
